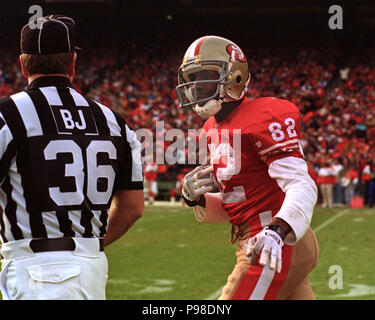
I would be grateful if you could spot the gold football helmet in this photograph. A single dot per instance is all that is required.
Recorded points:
(214, 69)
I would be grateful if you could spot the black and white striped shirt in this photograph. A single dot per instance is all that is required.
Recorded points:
(61, 158)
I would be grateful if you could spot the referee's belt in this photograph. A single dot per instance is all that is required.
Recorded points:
(57, 244)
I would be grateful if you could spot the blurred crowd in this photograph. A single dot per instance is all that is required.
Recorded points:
(337, 103)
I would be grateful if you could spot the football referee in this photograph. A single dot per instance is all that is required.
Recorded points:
(71, 178)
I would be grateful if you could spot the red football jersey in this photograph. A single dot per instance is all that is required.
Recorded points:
(241, 148)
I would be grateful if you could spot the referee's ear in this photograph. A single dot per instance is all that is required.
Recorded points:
(23, 69)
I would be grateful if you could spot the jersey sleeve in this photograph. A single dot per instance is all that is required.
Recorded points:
(7, 150)
(276, 136)
(130, 175)
(301, 193)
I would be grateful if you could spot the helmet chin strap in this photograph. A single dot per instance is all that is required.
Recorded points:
(210, 108)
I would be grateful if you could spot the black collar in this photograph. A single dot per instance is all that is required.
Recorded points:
(226, 109)
(49, 81)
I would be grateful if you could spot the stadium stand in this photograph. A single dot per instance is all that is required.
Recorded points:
(332, 86)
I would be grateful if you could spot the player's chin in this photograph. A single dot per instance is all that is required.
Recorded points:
(204, 96)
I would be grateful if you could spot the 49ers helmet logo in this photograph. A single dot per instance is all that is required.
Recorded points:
(236, 53)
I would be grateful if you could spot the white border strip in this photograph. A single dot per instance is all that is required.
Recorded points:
(277, 145)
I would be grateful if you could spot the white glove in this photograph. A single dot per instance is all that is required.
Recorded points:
(270, 244)
(194, 184)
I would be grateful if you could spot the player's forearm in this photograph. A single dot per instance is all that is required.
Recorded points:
(282, 223)
(300, 195)
(213, 212)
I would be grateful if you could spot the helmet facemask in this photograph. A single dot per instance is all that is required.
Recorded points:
(201, 85)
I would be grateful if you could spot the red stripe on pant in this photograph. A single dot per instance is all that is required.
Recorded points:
(255, 276)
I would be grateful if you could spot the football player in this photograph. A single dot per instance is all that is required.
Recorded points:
(151, 175)
(256, 162)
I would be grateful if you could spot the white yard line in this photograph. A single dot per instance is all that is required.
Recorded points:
(214, 295)
(327, 222)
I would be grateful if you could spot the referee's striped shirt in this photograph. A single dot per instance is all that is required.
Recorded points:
(62, 156)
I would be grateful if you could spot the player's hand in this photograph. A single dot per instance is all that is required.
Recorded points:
(269, 245)
(196, 183)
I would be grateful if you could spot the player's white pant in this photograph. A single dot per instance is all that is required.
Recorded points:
(65, 275)
(152, 189)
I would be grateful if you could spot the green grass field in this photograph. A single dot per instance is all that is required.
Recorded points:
(169, 255)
